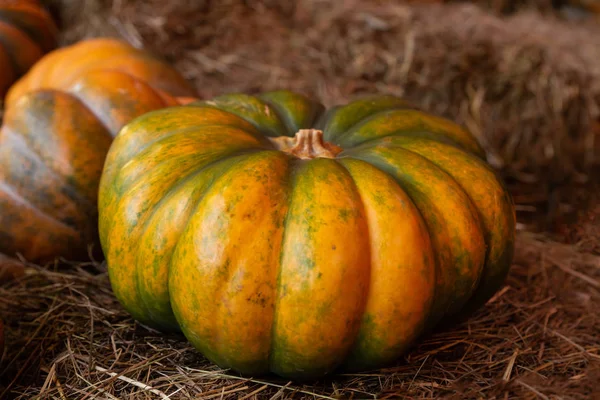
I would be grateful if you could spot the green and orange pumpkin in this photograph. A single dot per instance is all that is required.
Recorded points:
(282, 237)
(60, 120)
(27, 32)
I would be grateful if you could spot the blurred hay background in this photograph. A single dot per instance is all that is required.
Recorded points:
(526, 83)
(524, 76)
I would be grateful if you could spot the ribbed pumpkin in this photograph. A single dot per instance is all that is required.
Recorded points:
(27, 32)
(62, 67)
(59, 123)
(279, 236)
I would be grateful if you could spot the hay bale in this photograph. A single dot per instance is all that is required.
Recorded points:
(527, 85)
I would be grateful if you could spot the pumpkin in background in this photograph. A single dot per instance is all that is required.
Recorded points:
(59, 123)
(27, 32)
(62, 67)
(279, 236)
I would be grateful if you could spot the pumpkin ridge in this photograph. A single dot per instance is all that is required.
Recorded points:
(227, 159)
(181, 180)
(285, 117)
(153, 86)
(14, 193)
(325, 252)
(369, 235)
(24, 119)
(417, 121)
(194, 128)
(20, 64)
(101, 117)
(27, 150)
(221, 104)
(371, 348)
(340, 136)
(124, 187)
(8, 14)
(502, 197)
(451, 304)
(231, 272)
(289, 129)
(215, 262)
(157, 84)
(139, 310)
(334, 117)
(294, 168)
(416, 134)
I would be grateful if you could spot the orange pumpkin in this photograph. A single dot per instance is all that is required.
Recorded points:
(27, 32)
(60, 121)
(279, 236)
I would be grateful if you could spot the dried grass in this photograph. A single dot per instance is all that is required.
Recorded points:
(539, 337)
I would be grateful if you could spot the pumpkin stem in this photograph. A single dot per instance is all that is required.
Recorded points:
(306, 144)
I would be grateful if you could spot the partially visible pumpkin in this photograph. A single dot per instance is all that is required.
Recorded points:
(279, 236)
(27, 32)
(59, 123)
(62, 67)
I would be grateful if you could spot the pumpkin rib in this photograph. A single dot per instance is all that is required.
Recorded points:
(25, 149)
(417, 134)
(29, 112)
(294, 166)
(135, 134)
(219, 262)
(25, 241)
(13, 193)
(166, 160)
(326, 261)
(131, 92)
(497, 218)
(169, 322)
(140, 182)
(222, 159)
(32, 150)
(286, 115)
(168, 81)
(115, 160)
(410, 121)
(22, 51)
(396, 227)
(334, 122)
(180, 131)
(141, 225)
(226, 163)
(271, 124)
(30, 18)
(463, 263)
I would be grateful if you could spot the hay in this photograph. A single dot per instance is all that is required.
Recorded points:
(539, 336)
(528, 85)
